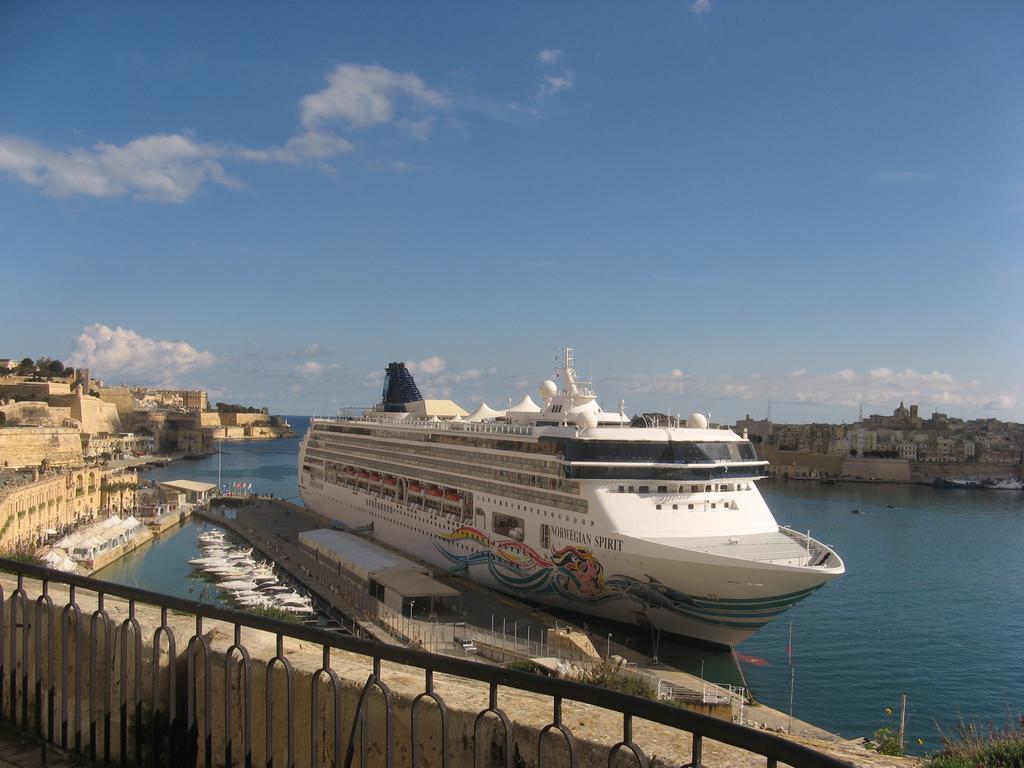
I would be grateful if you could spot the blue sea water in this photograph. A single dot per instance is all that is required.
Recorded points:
(932, 603)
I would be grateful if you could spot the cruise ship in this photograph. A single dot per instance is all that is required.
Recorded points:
(565, 504)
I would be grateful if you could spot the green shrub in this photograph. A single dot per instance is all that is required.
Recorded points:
(609, 675)
(968, 745)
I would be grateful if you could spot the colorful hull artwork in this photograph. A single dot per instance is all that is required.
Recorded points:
(574, 574)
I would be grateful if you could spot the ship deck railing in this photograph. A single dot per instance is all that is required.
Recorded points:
(96, 667)
(517, 430)
(782, 546)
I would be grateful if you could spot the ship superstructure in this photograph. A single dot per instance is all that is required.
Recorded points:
(568, 505)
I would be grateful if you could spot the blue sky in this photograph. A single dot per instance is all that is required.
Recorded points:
(719, 203)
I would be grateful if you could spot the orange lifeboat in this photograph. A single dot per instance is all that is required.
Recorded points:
(374, 477)
(390, 482)
(452, 497)
(415, 488)
(362, 474)
(434, 492)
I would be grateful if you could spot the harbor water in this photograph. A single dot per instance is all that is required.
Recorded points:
(932, 603)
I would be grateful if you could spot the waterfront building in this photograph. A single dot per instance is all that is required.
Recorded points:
(195, 492)
(36, 505)
(114, 446)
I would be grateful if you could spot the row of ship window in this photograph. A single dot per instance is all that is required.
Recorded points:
(467, 483)
(456, 454)
(358, 454)
(713, 488)
(520, 446)
(540, 512)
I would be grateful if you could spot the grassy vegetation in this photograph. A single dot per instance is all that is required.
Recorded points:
(276, 613)
(968, 746)
(606, 674)
(609, 674)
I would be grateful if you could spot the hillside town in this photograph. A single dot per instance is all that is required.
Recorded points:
(71, 447)
(901, 447)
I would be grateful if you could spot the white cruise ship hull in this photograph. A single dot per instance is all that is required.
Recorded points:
(711, 597)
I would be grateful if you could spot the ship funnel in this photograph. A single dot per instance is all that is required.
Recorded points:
(399, 388)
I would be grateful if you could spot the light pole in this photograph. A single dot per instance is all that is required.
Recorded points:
(608, 648)
(412, 604)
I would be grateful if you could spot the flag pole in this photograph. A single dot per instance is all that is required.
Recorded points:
(792, 675)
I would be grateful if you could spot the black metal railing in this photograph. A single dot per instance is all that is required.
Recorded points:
(71, 702)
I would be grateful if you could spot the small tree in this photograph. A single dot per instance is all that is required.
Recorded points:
(27, 366)
(886, 740)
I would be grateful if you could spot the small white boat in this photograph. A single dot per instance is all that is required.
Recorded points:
(1005, 484)
(239, 585)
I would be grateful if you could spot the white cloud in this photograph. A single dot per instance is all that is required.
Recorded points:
(677, 374)
(120, 352)
(435, 380)
(164, 167)
(312, 349)
(365, 95)
(881, 387)
(552, 84)
(433, 364)
(549, 56)
(700, 7)
(172, 167)
(312, 370)
(306, 147)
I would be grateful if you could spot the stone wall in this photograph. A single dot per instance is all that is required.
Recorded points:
(28, 446)
(800, 463)
(926, 471)
(121, 398)
(877, 469)
(95, 415)
(33, 413)
(243, 419)
(33, 390)
(594, 729)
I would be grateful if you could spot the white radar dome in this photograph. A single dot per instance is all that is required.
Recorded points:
(548, 389)
(586, 420)
(697, 421)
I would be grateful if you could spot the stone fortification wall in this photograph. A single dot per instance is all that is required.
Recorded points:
(800, 463)
(243, 419)
(28, 446)
(33, 390)
(926, 471)
(32, 413)
(877, 469)
(121, 398)
(210, 419)
(95, 415)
